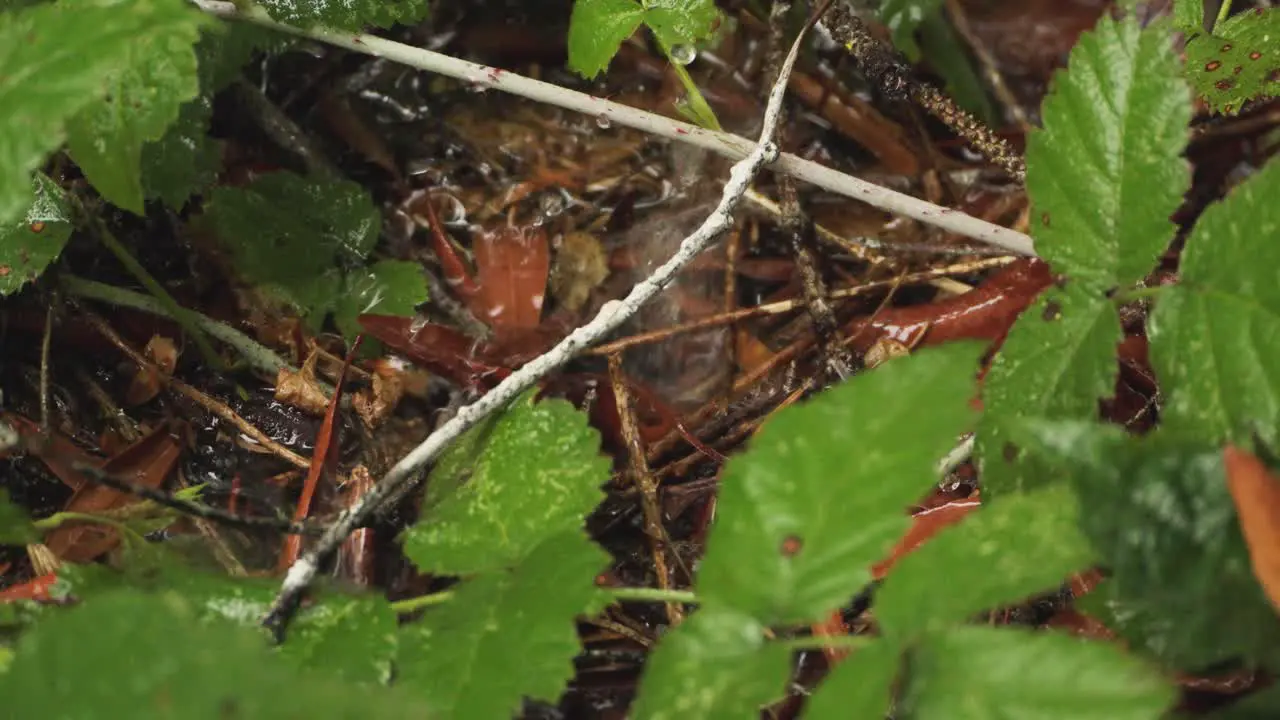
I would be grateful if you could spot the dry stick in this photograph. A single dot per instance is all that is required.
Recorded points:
(208, 403)
(894, 77)
(645, 482)
(45, 343)
(989, 67)
(725, 144)
(613, 314)
(785, 306)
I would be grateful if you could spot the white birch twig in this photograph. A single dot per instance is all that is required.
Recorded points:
(612, 315)
(726, 144)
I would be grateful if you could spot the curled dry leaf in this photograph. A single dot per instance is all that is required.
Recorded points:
(146, 383)
(301, 389)
(377, 402)
(580, 266)
(1256, 492)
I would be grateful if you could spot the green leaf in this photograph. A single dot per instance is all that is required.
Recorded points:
(29, 244)
(1238, 62)
(186, 160)
(144, 656)
(346, 14)
(290, 231)
(538, 476)
(597, 28)
(1057, 362)
(982, 673)
(1258, 705)
(903, 17)
(1013, 548)
(681, 22)
(389, 287)
(15, 526)
(143, 99)
(506, 634)
(57, 60)
(714, 665)
(943, 48)
(1159, 514)
(1214, 336)
(1106, 172)
(1188, 15)
(820, 495)
(351, 636)
(861, 686)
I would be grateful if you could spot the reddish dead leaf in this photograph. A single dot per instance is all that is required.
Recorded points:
(56, 451)
(833, 626)
(146, 383)
(1256, 492)
(512, 266)
(147, 462)
(326, 445)
(925, 523)
(356, 555)
(36, 589)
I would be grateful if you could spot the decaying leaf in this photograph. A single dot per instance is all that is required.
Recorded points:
(1256, 492)
(301, 389)
(580, 266)
(147, 381)
(380, 400)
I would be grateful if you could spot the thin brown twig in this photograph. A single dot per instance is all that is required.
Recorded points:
(645, 482)
(213, 405)
(45, 342)
(990, 70)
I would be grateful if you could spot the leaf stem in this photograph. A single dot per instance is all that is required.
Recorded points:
(644, 594)
(408, 605)
(824, 642)
(1223, 13)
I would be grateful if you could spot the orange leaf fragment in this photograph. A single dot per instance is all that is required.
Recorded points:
(1256, 492)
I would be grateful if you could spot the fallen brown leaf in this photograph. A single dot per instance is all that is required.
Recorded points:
(1256, 492)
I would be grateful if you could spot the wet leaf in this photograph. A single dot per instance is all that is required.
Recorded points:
(681, 22)
(347, 14)
(1009, 550)
(295, 232)
(1058, 361)
(822, 492)
(1106, 172)
(597, 28)
(506, 634)
(1256, 492)
(81, 44)
(512, 265)
(1213, 336)
(538, 475)
(143, 99)
(1188, 15)
(15, 526)
(1182, 588)
(185, 160)
(29, 244)
(353, 637)
(1238, 62)
(387, 287)
(861, 686)
(715, 665)
(903, 18)
(980, 673)
(145, 656)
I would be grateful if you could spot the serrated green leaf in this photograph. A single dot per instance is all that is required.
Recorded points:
(861, 686)
(819, 495)
(351, 636)
(294, 232)
(1058, 361)
(903, 18)
(186, 160)
(982, 673)
(1013, 548)
(388, 287)
(57, 59)
(506, 634)
(539, 475)
(346, 14)
(1106, 172)
(15, 526)
(1188, 15)
(1238, 62)
(29, 244)
(714, 665)
(681, 22)
(143, 99)
(597, 28)
(145, 656)
(1159, 514)
(1215, 335)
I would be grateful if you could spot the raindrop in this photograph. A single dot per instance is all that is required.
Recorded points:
(602, 121)
(551, 204)
(683, 54)
(478, 87)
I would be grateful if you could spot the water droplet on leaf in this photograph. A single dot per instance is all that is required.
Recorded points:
(683, 54)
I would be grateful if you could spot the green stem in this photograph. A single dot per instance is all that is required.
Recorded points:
(58, 519)
(824, 642)
(422, 601)
(1223, 13)
(640, 594)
